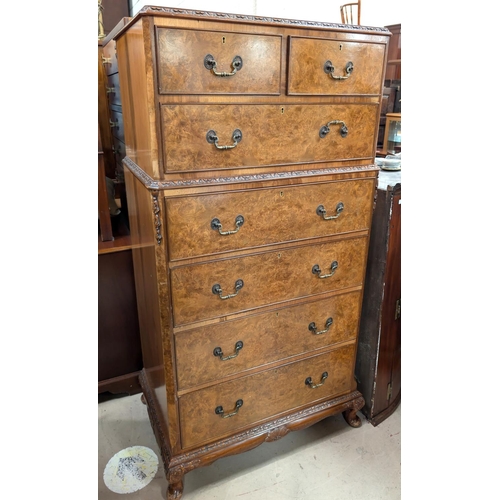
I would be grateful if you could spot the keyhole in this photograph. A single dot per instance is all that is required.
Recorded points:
(279, 256)
(281, 194)
(282, 110)
(223, 39)
(340, 46)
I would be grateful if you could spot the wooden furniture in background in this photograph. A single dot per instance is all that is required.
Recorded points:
(112, 12)
(378, 362)
(350, 13)
(250, 180)
(105, 229)
(390, 118)
(119, 346)
(114, 113)
(393, 71)
(392, 84)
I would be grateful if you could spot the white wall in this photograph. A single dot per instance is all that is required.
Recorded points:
(373, 12)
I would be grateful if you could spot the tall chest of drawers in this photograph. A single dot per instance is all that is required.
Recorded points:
(250, 180)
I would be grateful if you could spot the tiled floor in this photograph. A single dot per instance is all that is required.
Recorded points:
(327, 461)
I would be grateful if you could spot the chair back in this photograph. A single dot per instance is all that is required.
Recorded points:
(350, 13)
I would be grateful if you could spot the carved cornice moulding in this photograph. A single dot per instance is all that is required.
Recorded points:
(156, 185)
(153, 10)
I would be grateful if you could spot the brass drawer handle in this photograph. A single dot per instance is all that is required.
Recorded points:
(213, 139)
(218, 351)
(315, 386)
(317, 270)
(321, 211)
(220, 411)
(217, 290)
(328, 324)
(325, 129)
(113, 124)
(216, 225)
(329, 69)
(110, 90)
(210, 63)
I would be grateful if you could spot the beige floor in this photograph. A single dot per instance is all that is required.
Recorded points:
(327, 461)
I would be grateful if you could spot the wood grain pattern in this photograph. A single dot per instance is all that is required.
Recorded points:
(181, 69)
(269, 277)
(308, 56)
(266, 338)
(275, 174)
(270, 216)
(284, 390)
(272, 134)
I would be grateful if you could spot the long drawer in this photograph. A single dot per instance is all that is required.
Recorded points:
(212, 352)
(215, 289)
(264, 134)
(209, 224)
(263, 395)
(189, 60)
(334, 67)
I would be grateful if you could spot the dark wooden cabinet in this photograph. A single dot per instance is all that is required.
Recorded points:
(119, 345)
(378, 364)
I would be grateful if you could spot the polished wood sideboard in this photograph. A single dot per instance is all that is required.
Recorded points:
(250, 177)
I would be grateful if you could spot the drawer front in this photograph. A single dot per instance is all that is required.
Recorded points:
(311, 62)
(195, 224)
(264, 134)
(113, 90)
(267, 278)
(116, 124)
(111, 62)
(186, 62)
(264, 395)
(119, 154)
(212, 352)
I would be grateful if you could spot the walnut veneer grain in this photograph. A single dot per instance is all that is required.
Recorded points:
(305, 140)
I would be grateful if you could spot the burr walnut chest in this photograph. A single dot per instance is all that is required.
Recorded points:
(250, 178)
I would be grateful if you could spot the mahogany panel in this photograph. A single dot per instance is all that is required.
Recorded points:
(269, 277)
(270, 134)
(285, 389)
(182, 57)
(269, 216)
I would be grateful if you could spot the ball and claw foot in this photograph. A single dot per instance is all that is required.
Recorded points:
(352, 418)
(174, 491)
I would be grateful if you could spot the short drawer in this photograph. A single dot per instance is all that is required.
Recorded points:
(265, 134)
(189, 60)
(214, 289)
(205, 414)
(215, 223)
(334, 67)
(113, 90)
(209, 353)
(116, 124)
